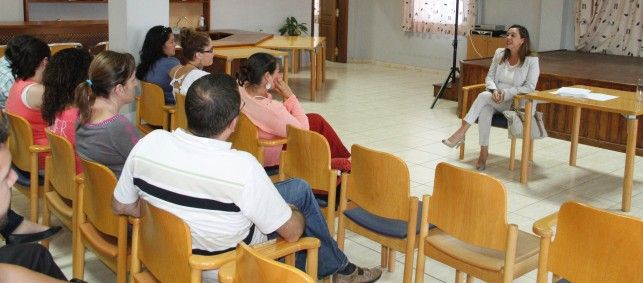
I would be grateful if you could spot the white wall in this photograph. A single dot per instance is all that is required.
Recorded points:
(374, 33)
(258, 15)
(374, 30)
(67, 11)
(11, 10)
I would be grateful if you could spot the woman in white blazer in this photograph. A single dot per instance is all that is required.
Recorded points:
(514, 70)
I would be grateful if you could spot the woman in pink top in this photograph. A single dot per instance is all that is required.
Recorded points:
(65, 71)
(257, 77)
(28, 62)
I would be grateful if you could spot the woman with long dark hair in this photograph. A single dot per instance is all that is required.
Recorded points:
(157, 58)
(65, 71)
(514, 70)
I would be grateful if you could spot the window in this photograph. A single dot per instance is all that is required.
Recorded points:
(438, 16)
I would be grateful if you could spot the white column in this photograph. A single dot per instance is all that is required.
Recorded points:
(129, 21)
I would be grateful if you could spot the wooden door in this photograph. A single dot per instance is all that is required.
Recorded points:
(328, 26)
(333, 24)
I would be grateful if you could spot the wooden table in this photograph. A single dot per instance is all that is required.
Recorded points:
(315, 45)
(625, 104)
(231, 53)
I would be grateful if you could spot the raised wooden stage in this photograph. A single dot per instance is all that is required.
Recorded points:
(566, 68)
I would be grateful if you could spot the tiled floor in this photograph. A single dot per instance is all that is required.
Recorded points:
(388, 109)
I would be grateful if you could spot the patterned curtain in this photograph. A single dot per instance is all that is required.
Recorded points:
(438, 16)
(610, 26)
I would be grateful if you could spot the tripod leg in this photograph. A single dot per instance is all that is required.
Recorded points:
(450, 78)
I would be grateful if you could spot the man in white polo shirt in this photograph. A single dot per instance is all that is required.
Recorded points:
(224, 195)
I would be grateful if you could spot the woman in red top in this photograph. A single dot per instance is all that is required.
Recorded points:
(28, 62)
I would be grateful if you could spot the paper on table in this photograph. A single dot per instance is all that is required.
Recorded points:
(582, 93)
(572, 92)
(599, 96)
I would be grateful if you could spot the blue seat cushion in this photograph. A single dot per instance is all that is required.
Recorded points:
(381, 225)
(23, 177)
(498, 120)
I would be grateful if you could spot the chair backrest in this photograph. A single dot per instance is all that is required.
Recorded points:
(180, 118)
(56, 47)
(150, 104)
(2, 49)
(470, 206)
(165, 245)
(63, 169)
(594, 245)
(246, 137)
(307, 157)
(378, 180)
(20, 140)
(98, 191)
(99, 47)
(253, 267)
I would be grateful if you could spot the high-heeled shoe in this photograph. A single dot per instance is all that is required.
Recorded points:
(480, 166)
(32, 237)
(455, 144)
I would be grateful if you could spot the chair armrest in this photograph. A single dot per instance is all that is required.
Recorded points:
(271, 250)
(133, 220)
(465, 96)
(543, 227)
(169, 109)
(80, 178)
(473, 87)
(272, 142)
(37, 148)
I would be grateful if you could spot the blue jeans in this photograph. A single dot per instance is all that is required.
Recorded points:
(331, 259)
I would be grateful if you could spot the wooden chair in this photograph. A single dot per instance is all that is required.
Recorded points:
(175, 261)
(308, 157)
(99, 47)
(590, 245)
(98, 227)
(383, 209)
(250, 266)
(25, 158)
(469, 210)
(2, 49)
(246, 138)
(56, 47)
(498, 120)
(151, 111)
(180, 120)
(60, 181)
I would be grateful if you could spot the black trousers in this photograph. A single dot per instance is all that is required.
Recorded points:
(13, 221)
(31, 256)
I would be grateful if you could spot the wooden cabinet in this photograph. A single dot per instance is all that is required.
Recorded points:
(192, 10)
(483, 46)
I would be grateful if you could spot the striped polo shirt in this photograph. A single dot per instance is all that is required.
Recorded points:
(221, 193)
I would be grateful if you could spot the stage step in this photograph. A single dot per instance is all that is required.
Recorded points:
(450, 94)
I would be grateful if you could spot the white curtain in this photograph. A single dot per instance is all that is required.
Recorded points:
(438, 16)
(610, 26)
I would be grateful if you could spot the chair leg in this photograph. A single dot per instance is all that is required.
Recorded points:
(512, 154)
(78, 259)
(46, 219)
(462, 151)
(408, 267)
(384, 257)
(391, 260)
(459, 276)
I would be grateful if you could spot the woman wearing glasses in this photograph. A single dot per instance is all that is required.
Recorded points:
(197, 49)
(157, 58)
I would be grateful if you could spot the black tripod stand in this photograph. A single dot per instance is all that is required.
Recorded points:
(454, 70)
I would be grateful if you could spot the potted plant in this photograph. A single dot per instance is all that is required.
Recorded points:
(293, 28)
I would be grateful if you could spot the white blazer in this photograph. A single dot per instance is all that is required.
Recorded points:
(525, 76)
